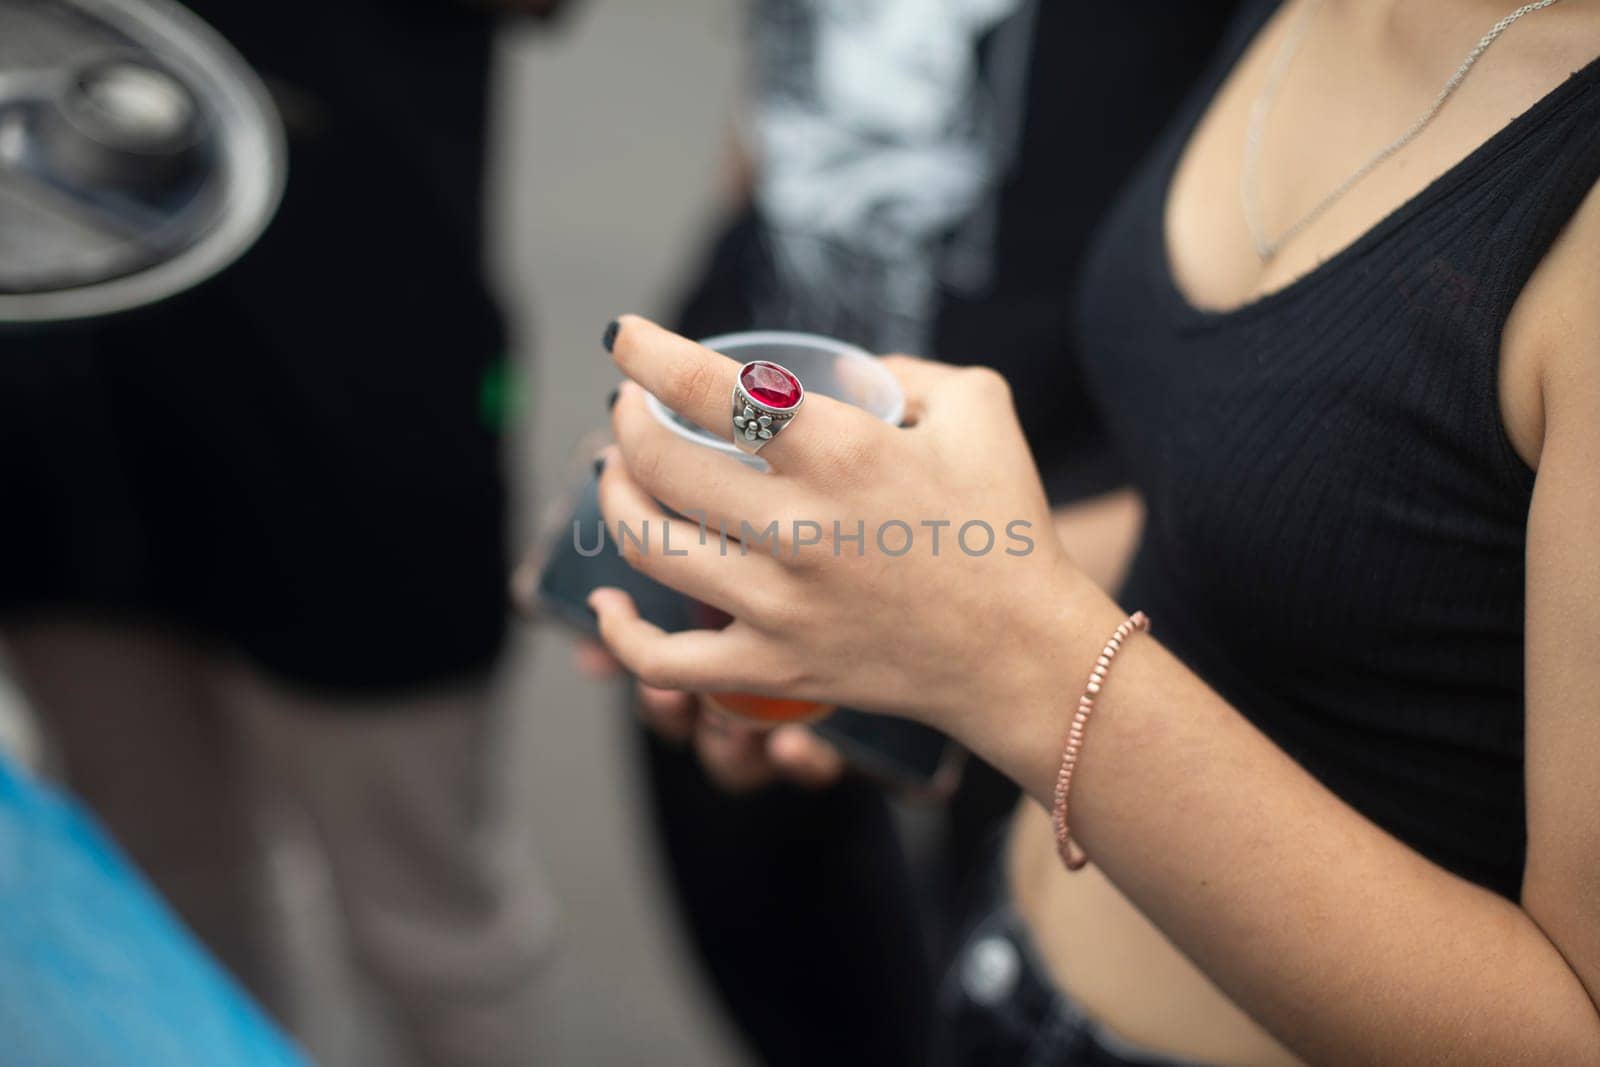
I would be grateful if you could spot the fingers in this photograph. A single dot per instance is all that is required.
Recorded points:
(675, 552)
(695, 660)
(938, 392)
(733, 753)
(804, 758)
(918, 378)
(690, 379)
(670, 713)
(683, 475)
(698, 384)
(740, 756)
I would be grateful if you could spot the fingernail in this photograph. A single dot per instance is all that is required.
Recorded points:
(599, 464)
(610, 337)
(611, 401)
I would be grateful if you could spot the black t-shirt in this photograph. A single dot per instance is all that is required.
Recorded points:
(1337, 536)
(299, 458)
(929, 180)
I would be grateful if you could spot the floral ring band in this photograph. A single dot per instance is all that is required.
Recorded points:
(765, 401)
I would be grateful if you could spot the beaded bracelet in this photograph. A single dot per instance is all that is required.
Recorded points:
(1071, 854)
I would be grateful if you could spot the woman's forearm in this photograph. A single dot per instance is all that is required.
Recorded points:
(1345, 943)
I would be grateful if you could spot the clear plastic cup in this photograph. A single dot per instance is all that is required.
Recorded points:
(823, 365)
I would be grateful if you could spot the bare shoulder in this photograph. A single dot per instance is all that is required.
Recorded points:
(1550, 350)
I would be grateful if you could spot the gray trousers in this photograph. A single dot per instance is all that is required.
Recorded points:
(186, 755)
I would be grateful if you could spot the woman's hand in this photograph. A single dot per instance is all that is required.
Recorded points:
(737, 755)
(909, 570)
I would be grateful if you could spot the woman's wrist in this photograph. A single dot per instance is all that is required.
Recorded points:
(1018, 722)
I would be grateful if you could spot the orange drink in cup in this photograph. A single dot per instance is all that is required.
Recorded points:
(748, 705)
(767, 709)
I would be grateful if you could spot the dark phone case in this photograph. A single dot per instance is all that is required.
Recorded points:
(900, 752)
(582, 558)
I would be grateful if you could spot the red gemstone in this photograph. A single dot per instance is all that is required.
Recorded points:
(771, 385)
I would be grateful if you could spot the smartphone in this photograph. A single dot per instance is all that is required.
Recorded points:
(578, 558)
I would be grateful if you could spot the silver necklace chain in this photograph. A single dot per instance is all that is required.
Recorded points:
(1250, 173)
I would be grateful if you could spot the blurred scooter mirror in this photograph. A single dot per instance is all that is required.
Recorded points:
(139, 155)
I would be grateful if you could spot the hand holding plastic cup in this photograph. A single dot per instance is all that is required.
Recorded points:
(825, 366)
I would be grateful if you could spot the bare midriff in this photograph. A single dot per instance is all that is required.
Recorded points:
(1112, 961)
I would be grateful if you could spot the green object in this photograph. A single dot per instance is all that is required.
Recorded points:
(500, 395)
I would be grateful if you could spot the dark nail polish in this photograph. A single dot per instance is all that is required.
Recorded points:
(610, 337)
(611, 401)
(599, 465)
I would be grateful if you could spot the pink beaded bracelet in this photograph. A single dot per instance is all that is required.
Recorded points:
(1071, 854)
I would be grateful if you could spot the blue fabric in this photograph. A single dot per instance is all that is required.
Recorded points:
(94, 970)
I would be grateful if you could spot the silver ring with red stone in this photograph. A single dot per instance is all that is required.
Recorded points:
(765, 400)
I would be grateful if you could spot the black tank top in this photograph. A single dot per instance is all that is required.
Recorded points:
(1337, 521)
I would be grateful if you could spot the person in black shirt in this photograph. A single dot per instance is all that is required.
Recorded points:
(255, 539)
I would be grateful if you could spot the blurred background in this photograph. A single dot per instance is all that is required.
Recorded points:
(602, 209)
(606, 153)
